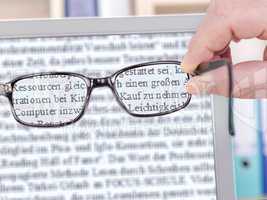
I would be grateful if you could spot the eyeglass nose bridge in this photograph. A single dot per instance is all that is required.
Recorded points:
(102, 82)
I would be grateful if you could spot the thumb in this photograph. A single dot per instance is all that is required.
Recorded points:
(249, 81)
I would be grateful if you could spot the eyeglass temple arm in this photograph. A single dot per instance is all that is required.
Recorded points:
(5, 89)
(209, 66)
(206, 67)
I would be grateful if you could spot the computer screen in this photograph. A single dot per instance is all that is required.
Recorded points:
(107, 154)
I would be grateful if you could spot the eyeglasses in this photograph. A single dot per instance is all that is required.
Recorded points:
(57, 99)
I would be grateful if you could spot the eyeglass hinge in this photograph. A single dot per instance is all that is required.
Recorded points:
(5, 89)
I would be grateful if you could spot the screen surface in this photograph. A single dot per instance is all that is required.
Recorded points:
(107, 154)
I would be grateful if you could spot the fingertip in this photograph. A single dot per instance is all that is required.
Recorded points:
(191, 89)
(194, 57)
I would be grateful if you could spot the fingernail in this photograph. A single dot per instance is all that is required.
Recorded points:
(186, 66)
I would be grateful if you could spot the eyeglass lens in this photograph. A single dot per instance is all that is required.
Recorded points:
(49, 100)
(153, 89)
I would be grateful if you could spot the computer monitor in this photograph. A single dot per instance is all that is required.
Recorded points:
(109, 154)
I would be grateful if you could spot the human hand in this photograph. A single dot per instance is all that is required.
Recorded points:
(226, 21)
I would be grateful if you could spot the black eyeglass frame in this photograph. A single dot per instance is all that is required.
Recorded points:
(109, 81)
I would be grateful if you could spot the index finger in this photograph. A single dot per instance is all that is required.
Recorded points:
(213, 35)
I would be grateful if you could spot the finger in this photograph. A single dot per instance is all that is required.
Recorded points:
(225, 54)
(213, 35)
(250, 81)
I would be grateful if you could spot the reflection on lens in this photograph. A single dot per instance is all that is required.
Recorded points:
(153, 89)
(49, 100)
